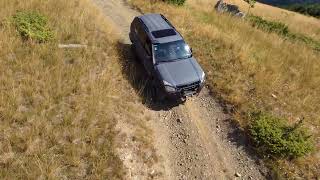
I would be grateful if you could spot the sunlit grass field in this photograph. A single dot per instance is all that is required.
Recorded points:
(298, 23)
(59, 108)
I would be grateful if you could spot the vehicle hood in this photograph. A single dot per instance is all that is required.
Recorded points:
(180, 72)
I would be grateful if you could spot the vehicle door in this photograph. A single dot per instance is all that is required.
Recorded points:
(140, 39)
(147, 60)
(133, 35)
(143, 47)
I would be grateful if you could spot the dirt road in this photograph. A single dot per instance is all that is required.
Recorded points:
(195, 140)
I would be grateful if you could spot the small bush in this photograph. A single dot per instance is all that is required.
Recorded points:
(273, 136)
(269, 26)
(32, 25)
(176, 2)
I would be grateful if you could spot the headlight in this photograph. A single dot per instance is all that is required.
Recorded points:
(166, 83)
(203, 76)
(170, 89)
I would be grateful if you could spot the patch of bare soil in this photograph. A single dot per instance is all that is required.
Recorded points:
(195, 140)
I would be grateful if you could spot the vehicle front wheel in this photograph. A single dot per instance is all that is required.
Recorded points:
(156, 94)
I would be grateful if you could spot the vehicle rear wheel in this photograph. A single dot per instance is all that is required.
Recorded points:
(134, 55)
(133, 51)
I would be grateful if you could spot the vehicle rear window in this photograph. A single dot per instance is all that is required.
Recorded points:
(163, 33)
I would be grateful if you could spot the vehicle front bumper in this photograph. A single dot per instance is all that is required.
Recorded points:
(183, 94)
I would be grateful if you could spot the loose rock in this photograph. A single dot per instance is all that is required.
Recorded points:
(238, 174)
(223, 7)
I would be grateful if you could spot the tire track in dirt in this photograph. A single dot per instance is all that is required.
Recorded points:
(211, 144)
(195, 140)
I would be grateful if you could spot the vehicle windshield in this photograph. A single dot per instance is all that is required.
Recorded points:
(171, 51)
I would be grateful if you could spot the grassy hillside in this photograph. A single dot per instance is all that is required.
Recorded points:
(254, 70)
(59, 107)
(296, 22)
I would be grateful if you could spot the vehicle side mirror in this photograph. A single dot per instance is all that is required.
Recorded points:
(191, 50)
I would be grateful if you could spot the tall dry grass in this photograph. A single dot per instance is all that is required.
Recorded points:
(253, 70)
(295, 21)
(59, 107)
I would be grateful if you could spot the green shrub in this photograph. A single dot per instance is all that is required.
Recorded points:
(176, 2)
(269, 26)
(283, 30)
(308, 40)
(273, 136)
(32, 25)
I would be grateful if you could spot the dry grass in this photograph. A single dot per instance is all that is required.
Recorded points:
(59, 107)
(253, 70)
(298, 23)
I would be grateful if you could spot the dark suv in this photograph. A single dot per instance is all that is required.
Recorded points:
(166, 57)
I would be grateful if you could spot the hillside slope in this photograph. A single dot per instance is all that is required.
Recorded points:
(254, 70)
(61, 108)
(193, 139)
(296, 22)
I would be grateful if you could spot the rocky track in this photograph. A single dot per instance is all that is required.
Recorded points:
(195, 140)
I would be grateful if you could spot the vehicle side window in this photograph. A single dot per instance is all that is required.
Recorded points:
(140, 32)
(147, 46)
(143, 37)
(134, 25)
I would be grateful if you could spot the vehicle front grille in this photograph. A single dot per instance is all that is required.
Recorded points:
(189, 87)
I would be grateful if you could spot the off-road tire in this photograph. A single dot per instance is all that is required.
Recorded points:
(156, 94)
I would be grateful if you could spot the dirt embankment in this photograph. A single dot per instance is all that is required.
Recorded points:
(196, 140)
